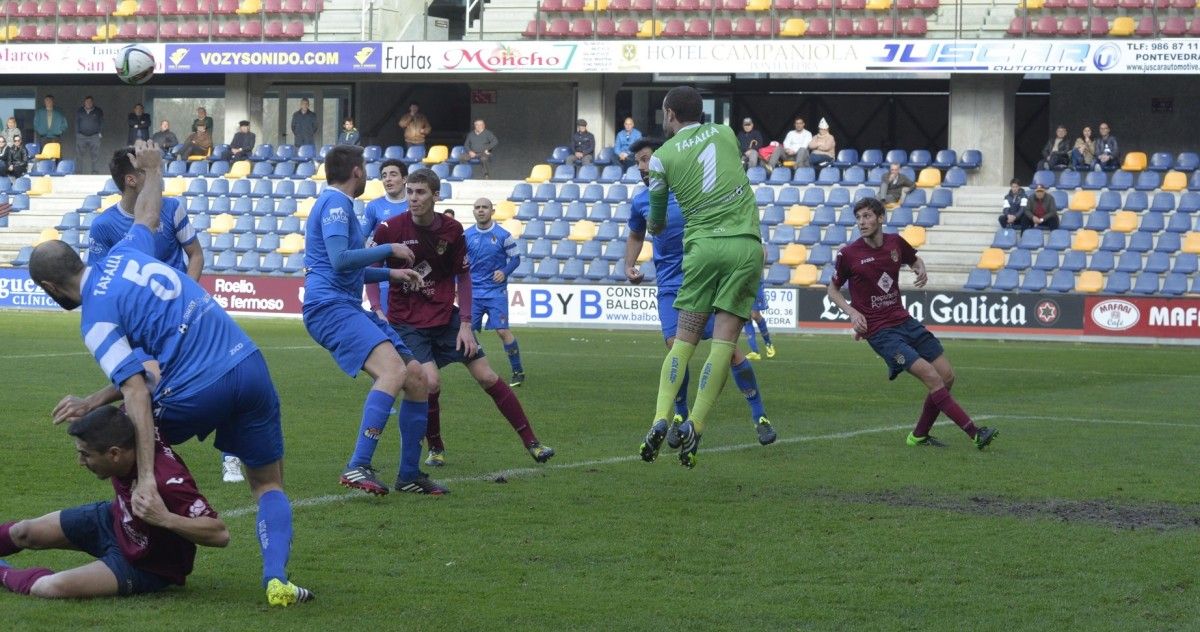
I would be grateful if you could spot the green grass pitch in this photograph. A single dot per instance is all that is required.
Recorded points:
(1082, 515)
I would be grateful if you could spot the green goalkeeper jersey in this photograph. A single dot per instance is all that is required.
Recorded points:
(702, 165)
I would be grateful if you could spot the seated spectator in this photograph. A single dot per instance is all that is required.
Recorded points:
(479, 143)
(583, 145)
(750, 140)
(18, 158)
(1041, 210)
(1083, 154)
(822, 148)
(165, 139)
(895, 186)
(199, 143)
(349, 134)
(1108, 155)
(3, 155)
(1012, 212)
(1057, 153)
(11, 129)
(625, 139)
(243, 142)
(794, 147)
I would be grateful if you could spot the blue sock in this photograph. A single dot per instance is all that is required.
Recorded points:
(374, 419)
(681, 407)
(275, 534)
(4, 564)
(413, 419)
(762, 328)
(743, 375)
(514, 356)
(750, 337)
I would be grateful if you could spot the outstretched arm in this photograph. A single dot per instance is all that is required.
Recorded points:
(147, 158)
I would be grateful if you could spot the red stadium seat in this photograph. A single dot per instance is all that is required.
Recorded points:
(1078, 5)
(551, 6)
(641, 6)
(204, 7)
(289, 6)
(1147, 26)
(1194, 29)
(147, 32)
(915, 27)
(560, 28)
(927, 5)
(581, 27)
(783, 5)
(86, 32)
(252, 30)
(45, 33)
(744, 27)
(768, 27)
(168, 7)
(904, 5)
(1054, 4)
(887, 26)
(852, 5)
(186, 7)
(817, 27)
(1104, 4)
(203, 29)
(664, 5)
(533, 30)
(293, 30)
(68, 8)
(127, 32)
(68, 32)
(1182, 4)
(169, 31)
(188, 30)
(573, 6)
(735, 6)
(698, 28)
(229, 30)
(1072, 26)
(47, 8)
(674, 28)
(606, 27)
(723, 27)
(825, 5)
(29, 7)
(1046, 25)
(274, 30)
(619, 6)
(148, 8)
(27, 33)
(867, 27)
(687, 5)
(1175, 26)
(1129, 4)
(1098, 26)
(85, 8)
(1019, 25)
(313, 7)
(627, 28)
(804, 5)
(273, 6)
(843, 27)
(105, 7)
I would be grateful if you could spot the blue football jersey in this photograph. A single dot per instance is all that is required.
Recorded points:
(487, 251)
(668, 244)
(332, 215)
(174, 232)
(134, 303)
(378, 210)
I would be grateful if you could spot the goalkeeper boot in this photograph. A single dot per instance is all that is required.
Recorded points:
(689, 441)
(673, 432)
(766, 432)
(653, 441)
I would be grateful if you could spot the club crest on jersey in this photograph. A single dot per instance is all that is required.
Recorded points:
(895, 256)
(441, 246)
(885, 282)
(899, 359)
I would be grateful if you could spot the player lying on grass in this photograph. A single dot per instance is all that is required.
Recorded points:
(134, 554)
(871, 265)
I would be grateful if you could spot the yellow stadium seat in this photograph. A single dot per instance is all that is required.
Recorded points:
(238, 170)
(1123, 26)
(250, 7)
(109, 200)
(793, 255)
(650, 28)
(646, 253)
(914, 235)
(1124, 221)
(1085, 240)
(319, 176)
(798, 215)
(291, 244)
(105, 32)
(879, 5)
(1174, 181)
(198, 157)
(506, 209)
(174, 187)
(51, 151)
(758, 5)
(515, 227)
(1191, 243)
(48, 234)
(991, 259)
(804, 275)
(595, 5)
(304, 207)
(583, 230)
(374, 189)
(929, 177)
(1031, 4)
(222, 223)
(1089, 281)
(789, 163)
(794, 27)
(539, 174)
(9, 34)
(437, 155)
(125, 8)
(1134, 161)
(40, 186)
(1083, 201)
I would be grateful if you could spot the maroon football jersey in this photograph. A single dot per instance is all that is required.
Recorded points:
(440, 257)
(154, 549)
(874, 277)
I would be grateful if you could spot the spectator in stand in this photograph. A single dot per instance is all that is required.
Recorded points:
(349, 134)
(1108, 155)
(1083, 155)
(89, 123)
(165, 139)
(625, 139)
(18, 158)
(1057, 153)
(49, 123)
(823, 148)
(895, 187)
(583, 145)
(304, 125)
(1012, 213)
(199, 143)
(139, 125)
(11, 129)
(243, 142)
(3, 157)
(1041, 210)
(202, 117)
(479, 144)
(750, 140)
(415, 125)
(794, 147)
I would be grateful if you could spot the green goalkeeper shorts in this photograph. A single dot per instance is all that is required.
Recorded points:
(720, 273)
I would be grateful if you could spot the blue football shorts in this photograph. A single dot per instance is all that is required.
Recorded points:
(90, 528)
(903, 344)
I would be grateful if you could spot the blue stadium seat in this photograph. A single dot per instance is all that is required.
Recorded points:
(838, 196)
(1005, 238)
(1060, 239)
(1069, 179)
(572, 270)
(442, 171)
(978, 279)
(631, 175)
(1162, 202)
(197, 205)
(875, 176)
(610, 174)
(1101, 261)
(558, 229)
(568, 192)
(1157, 263)
(551, 211)
(521, 191)
(591, 194)
(1185, 263)
(808, 235)
(546, 269)
(248, 262)
(307, 153)
(1135, 201)
(262, 152)
(22, 258)
(293, 264)
(787, 196)
(945, 159)
(272, 263)
(783, 235)
(290, 224)
(263, 206)
(1189, 202)
(829, 176)
(780, 175)
(898, 156)
(69, 220)
(756, 175)
(196, 186)
(460, 172)
(820, 254)
(599, 212)
(200, 222)
(286, 151)
(1160, 161)
(371, 153)
(563, 173)
(176, 168)
(1035, 281)
(544, 192)
(1060, 198)
(606, 156)
(1032, 239)
(1019, 259)
(575, 211)
(915, 198)
(1146, 284)
(597, 270)
(764, 196)
(1152, 223)
(1187, 161)
(1046, 260)
(1098, 221)
(1109, 201)
(1168, 242)
(218, 168)
(1062, 281)
(1121, 180)
(393, 152)
(900, 217)
(824, 215)
(1129, 262)
(540, 249)
(1174, 285)
(225, 261)
(1112, 241)
(846, 158)
(197, 169)
(284, 189)
(955, 177)
(262, 170)
(524, 269)
(778, 274)
(1042, 177)
(773, 215)
(1073, 261)
(622, 211)
(1070, 220)
(919, 158)
(268, 243)
(74, 237)
(1179, 223)
(91, 203)
(565, 249)
(266, 224)
(846, 217)
(834, 236)
(927, 217)
(615, 250)
(203, 238)
(1095, 180)
(940, 198)
(616, 193)
(804, 176)
(245, 242)
(414, 154)
(853, 176)
(590, 250)
(813, 197)
(587, 173)
(871, 158)
(1006, 280)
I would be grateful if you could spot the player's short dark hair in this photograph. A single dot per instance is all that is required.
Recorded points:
(426, 176)
(54, 261)
(394, 162)
(686, 102)
(341, 161)
(652, 143)
(873, 204)
(243, 123)
(120, 166)
(103, 428)
(1014, 181)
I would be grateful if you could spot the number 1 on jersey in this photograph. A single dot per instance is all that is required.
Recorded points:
(708, 162)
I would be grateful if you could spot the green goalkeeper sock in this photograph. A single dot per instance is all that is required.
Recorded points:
(712, 380)
(671, 377)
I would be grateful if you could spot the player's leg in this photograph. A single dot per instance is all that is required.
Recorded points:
(433, 429)
(668, 320)
(36, 533)
(921, 346)
(751, 341)
(513, 350)
(90, 580)
(507, 403)
(385, 366)
(761, 321)
(84, 527)
(747, 383)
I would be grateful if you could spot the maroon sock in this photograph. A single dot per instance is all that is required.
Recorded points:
(433, 431)
(7, 546)
(929, 414)
(21, 580)
(509, 406)
(945, 402)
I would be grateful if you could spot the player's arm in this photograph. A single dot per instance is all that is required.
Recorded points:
(136, 394)
(512, 253)
(634, 240)
(918, 267)
(147, 157)
(72, 407)
(202, 530)
(195, 259)
(658, 197)
(834, 292)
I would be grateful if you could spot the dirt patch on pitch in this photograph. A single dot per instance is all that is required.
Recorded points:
(1105, 513)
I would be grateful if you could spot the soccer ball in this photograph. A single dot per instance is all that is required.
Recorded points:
(134, 64)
